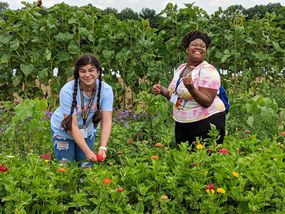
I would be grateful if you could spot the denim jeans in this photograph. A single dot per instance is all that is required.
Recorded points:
(67, 150)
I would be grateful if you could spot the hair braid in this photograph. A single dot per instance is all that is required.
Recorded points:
(98, 116)
(66, 122)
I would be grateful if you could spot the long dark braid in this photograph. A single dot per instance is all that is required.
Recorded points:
(66, 122)
(98, 115)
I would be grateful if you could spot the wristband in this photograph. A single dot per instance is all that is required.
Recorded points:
(103, 148)
(161, 90)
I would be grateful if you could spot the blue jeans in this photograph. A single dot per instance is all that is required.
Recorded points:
(67, 150)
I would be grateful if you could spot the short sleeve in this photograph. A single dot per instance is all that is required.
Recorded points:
(65, 100)
(209, 77)
(107, 99)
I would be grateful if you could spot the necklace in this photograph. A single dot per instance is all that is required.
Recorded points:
(88, 89)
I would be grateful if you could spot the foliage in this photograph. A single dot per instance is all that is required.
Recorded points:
(3, 7)
(144, 172)
(35, 41)
(20, 135)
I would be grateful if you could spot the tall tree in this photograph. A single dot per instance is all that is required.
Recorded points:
(128, 13)
(260, 10)
(109, 10)
(147, 13)
(3, 6)
(234, 9)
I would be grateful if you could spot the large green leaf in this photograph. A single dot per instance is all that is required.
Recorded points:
(16, 80)
(73, 49)
(63, 37)
(27, 69)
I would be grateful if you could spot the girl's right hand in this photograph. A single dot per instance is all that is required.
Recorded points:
(91, 156)
(156, 88)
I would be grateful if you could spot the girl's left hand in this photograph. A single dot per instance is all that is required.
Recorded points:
(103, 153)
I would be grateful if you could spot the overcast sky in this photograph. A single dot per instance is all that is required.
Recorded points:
(209, 5)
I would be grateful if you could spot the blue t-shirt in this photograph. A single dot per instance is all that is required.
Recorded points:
(65, 99)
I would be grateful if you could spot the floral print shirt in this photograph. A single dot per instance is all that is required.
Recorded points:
(204, 75)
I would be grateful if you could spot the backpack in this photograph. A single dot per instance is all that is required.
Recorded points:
(223, 96)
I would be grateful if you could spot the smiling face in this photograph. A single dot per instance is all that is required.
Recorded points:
(196, 51)
(88, 74)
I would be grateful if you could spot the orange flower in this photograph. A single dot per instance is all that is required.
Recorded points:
(159, 145)
(61, 170)
(154, 157)
(107, 181)
(282, 134)
(130, 140)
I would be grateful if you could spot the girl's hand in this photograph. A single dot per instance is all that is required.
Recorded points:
(156, 88)
(102, 155)
(91, 156)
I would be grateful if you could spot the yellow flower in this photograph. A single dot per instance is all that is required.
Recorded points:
(210, 191)
(221, 190)
(164, 197)
(199, 146)
(235, 174)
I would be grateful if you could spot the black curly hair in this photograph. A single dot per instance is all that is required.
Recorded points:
(190, 36)
(82, 61)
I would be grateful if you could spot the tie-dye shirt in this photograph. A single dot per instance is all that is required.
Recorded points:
(204, 75)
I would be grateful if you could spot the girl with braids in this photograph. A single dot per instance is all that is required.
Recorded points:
(84, 102)
(194, 93)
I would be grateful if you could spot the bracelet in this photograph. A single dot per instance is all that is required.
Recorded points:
(103, 148)
(161, 90)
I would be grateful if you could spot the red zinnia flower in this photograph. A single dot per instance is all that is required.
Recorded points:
(3, 168)
(120, 189)
(224, 151)
(210, 186)
(46, 156)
